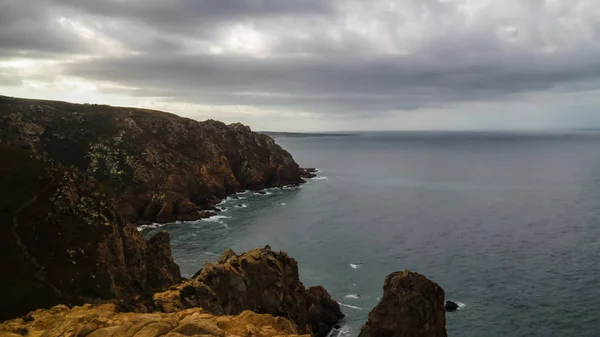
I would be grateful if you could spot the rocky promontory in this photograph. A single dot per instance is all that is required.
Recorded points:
(260, 280)
(162, 167)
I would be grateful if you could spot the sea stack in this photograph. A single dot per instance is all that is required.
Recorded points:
(411, 306)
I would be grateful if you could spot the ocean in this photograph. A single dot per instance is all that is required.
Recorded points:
(507, 223)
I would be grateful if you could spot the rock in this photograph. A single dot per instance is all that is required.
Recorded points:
(207, 214)
(161, 167)
(61, 241)
(260, 280)
(106, 320)
(308, 173)
(411, 306)
(451, 306)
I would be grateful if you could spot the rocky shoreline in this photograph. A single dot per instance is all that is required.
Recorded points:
(257, 293)
(77, 181)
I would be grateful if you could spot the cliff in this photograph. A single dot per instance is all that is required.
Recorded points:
(162, 167)
(61, 241)
(411, 306)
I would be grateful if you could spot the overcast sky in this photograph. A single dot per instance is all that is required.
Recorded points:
(314, 64)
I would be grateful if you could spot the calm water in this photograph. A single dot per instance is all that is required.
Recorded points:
(508, 224)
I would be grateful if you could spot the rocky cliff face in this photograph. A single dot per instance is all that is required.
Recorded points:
(411, 306)
(107, 321)
(162, 167)
(61, 241)
(260, 280)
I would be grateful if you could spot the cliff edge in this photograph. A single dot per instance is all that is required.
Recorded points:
(161, 166)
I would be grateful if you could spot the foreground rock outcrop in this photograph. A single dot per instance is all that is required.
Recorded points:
(106, 321)
(260, 280)
(161, 166)
(61, 241)
(411, 306)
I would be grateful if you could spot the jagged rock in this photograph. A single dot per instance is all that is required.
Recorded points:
(61, 242)
(260, 280)
(207, 214)
(106, 321)
(308, 173)
(411, 306)
(451, 306)
(162, 167)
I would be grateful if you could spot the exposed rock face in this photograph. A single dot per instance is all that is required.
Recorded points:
(411, 306)
(106, 321)
(260, 280)
(61, 242)
(162, 167)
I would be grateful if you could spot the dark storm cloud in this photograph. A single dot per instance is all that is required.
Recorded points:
(335, 57)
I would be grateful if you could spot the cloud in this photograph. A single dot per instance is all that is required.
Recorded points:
(333, 59)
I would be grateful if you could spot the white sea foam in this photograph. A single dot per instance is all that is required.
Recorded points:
(350, 306)
(355, 265)
(343, 331)
(352, 296)
(211, 254)
(216, 218)
(263, 192)
(150, 226)
(461, 305)
(282, 204)
(320, 178)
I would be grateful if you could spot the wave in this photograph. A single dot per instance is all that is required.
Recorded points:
(461, 305)
(355, 265)
(350, 306)
(216, 218)
(320, 178)
(241, 206)
(150, 226)
(282, 204)
(352, 296)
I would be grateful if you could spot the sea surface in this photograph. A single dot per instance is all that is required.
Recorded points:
(507, 223)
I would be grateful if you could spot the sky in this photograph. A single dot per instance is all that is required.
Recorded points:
(314, 65)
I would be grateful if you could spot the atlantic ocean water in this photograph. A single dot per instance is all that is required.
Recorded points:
(507, 223)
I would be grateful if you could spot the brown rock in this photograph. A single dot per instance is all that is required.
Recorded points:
(61, 241)
(411, 306)
(260, 280)
(162, 167)
(106, 321)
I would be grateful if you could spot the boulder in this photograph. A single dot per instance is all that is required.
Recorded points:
(411, 306)
(451, 306)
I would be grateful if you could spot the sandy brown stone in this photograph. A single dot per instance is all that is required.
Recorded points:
(106, 321)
